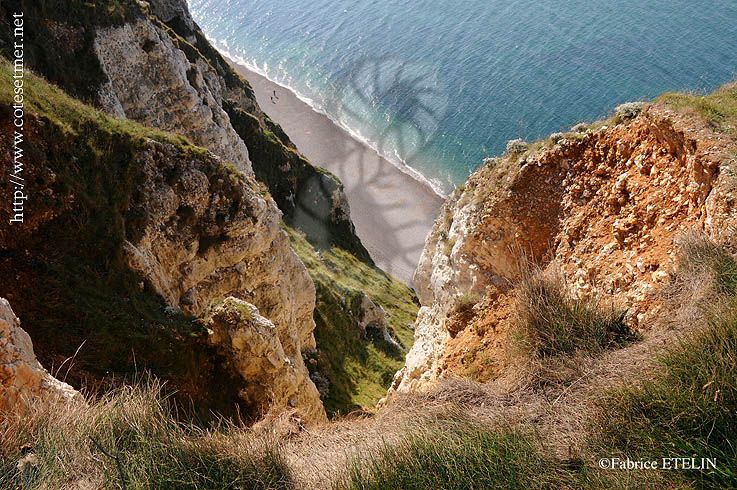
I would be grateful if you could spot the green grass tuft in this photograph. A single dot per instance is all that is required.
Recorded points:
(719, 108)
(688, 409)
(698, 254)
(451, 458)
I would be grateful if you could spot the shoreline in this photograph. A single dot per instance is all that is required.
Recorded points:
(393, 211)
(250, 71)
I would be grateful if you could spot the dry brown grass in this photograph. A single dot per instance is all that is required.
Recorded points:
(413, 432)
(131, 437)
(553, 323)
(702, 285)
(557, 333)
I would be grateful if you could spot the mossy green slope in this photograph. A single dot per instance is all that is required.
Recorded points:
(359, 369)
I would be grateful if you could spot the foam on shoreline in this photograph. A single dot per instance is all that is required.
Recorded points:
(401, 165)
(392, 209)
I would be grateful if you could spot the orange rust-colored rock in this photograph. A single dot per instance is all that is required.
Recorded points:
(604, 207)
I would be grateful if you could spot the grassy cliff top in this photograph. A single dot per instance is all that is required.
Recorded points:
(46, 100)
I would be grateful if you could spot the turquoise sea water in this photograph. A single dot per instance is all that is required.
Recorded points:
(440, 85)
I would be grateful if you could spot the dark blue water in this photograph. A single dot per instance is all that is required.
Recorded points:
(440, 84)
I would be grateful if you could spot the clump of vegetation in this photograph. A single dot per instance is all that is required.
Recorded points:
(455, 457)
(627, 111)
(465, 302)
(553, 323)
(490, 161)
(462, 312)
(580, 128)
(130, 438)
(700, 256)
(448, 245)
(688, 409)
(516, 147)
(359, 370)
(556, 137)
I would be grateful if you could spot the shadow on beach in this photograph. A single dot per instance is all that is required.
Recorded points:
(392, 211)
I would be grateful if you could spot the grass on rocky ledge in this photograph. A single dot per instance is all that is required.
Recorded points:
(688, 409)
(719, 108)
(359, 370)
(55, 446)
(46, 100)
(130, 437)
(553, 323)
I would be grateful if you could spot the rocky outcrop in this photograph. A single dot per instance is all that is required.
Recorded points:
(144, 215)
(152, 81)
(150, 62)
(196, 227)
(208, 234)
(374, 324)
(176, 14)
(604, 206)
(23, 380)
(275, 378)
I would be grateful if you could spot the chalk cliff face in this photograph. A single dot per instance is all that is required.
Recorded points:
(152, 82)
(149, 62)
(208, 235)
(196, 227)
(23, 380)
(168, 220)
(604, 206)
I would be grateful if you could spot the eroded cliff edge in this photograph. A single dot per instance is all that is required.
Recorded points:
(602, 205)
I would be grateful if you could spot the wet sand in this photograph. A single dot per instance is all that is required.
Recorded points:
(393, 212)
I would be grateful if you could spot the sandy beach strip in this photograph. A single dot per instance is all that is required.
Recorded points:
(393, 212)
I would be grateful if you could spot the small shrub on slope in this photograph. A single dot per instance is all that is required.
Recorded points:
(553, 323)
